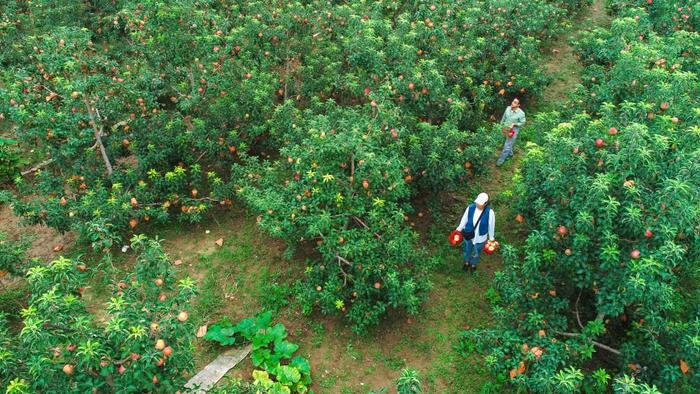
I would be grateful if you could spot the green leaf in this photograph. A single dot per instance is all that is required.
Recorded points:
(261, 340)
(222, 332)
(277, 333)
(259, 356)
(288, 375)
(246, 328)
(263, 320)
(285, 349)
(262, 378)
(301, 364)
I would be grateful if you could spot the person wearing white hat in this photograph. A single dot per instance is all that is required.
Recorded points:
(478, 223)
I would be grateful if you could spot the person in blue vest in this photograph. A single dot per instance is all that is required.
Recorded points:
(478, 223)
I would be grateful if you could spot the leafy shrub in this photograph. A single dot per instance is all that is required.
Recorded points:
(408, 382)
(271, 352)
(143, 343)
(13, 256)
(666, 16)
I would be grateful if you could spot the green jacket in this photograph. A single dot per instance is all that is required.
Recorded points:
(516, 117)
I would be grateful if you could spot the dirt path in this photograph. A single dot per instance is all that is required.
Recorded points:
(561, 63)
(44, 239)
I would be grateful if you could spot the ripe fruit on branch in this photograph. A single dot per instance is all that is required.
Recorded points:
(648, 233)
(613, 131)
(562, 230)
(168, 351)
(68, 369)
(365, 184)
(160, 344)
(635, 254)
(377, 285)
(183, 316)
(599, 142)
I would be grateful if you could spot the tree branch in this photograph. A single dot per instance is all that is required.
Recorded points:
(119, 124)
(578, 316)
(37, 167)
(352, 169)
(98, 135)
(365, 226)
(345, 261)
(592, 342)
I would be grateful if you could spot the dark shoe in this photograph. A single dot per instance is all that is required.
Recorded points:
(472, 269)
(465, 267)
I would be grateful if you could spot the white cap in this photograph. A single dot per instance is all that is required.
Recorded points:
(482, 198)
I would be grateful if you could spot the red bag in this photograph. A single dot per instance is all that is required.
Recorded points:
(456, 237)
(491, 246)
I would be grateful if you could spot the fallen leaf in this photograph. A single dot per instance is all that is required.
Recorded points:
(202, 331)
(220, 242)
(177, 262)
(684, 367)
(58, 248)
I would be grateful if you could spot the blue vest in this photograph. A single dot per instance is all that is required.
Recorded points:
(483, 224)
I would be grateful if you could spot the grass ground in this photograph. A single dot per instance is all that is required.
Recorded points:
(248, 274)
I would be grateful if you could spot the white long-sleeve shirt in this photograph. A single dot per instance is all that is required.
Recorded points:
(478, 237)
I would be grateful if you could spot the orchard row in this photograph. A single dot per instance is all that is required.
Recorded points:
(610, 199)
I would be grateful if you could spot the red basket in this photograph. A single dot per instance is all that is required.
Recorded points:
(491, 246)
(455, 237)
